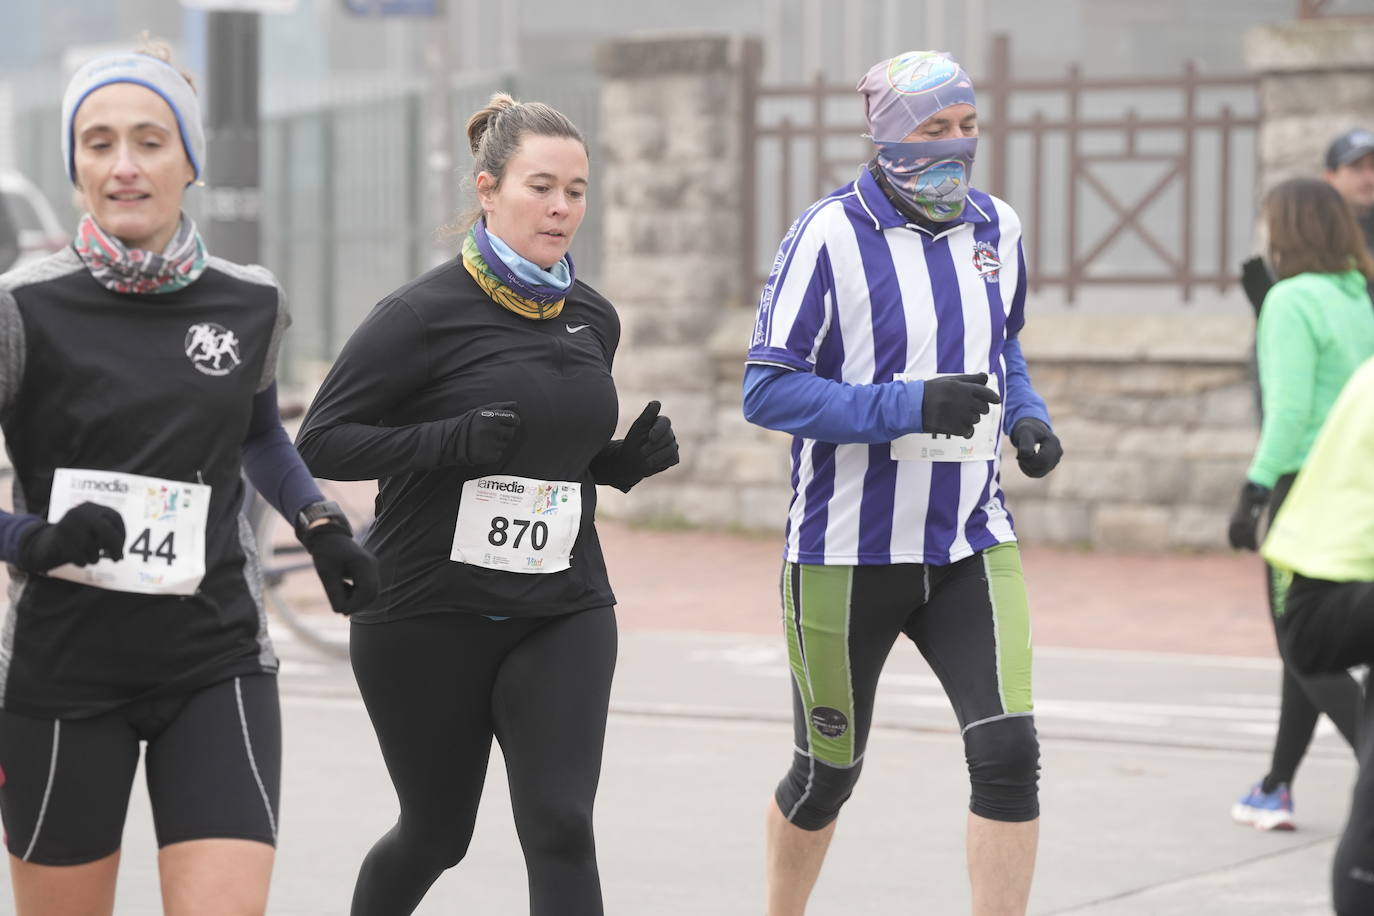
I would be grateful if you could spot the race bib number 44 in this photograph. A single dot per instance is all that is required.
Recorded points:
(164, 530)
(517, 524)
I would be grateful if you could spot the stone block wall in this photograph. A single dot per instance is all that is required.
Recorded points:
(1158, 418)
(1157, 415)
(1154, 455)
(669, 160)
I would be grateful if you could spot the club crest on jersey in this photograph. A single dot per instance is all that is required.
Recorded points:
(986, 262)
(212, 348)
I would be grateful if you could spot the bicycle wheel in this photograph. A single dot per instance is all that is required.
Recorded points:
(291, 589)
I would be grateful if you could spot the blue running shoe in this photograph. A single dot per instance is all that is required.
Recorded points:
(1266, 810)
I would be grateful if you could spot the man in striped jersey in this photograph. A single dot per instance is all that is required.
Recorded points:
(886, 344)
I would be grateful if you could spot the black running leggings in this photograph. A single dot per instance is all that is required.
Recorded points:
(1302, 697)
(1329, 626)
(438, 688)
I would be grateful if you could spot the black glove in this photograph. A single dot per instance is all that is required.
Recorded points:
(347, 570)
(952, 404)
(85, 534)
(1026, 435)
(1245, 520)
(648, 448)
(1256, 280)
(482, 435)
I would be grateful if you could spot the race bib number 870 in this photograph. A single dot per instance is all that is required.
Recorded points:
(517, 524)
(164, 530)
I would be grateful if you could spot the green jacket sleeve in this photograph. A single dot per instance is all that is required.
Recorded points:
(1287, 347)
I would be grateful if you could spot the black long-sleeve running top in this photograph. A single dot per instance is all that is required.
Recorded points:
(393, 408)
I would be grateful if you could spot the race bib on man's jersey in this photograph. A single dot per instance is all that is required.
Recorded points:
(164, 530)
(517, 524)
(944, 447)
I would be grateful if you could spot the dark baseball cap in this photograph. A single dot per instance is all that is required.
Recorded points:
(1348, 147)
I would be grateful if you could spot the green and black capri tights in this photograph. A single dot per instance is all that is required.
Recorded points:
(971, 622)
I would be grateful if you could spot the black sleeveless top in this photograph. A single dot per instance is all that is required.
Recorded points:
(159, 385)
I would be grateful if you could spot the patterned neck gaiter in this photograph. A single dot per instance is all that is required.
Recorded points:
(122, 269)
(529, 299)
(930, 175)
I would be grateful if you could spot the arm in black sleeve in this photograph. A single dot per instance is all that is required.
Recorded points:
(273, 465)
(12, 531)
(385, 361)
(1256, 280)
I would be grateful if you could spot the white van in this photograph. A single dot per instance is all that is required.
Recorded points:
(29, 229)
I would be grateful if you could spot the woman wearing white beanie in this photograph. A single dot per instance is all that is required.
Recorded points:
(137, 385)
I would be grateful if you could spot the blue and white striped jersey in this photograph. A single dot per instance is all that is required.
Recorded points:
(857, 294)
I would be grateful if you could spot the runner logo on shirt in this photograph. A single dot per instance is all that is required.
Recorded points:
(986, 262)
(212, 348)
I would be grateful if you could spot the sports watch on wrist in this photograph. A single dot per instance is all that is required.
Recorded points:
(316, 511)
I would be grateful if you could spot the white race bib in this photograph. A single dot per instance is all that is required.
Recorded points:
(164, 530)
(517, 524)
(944, 447)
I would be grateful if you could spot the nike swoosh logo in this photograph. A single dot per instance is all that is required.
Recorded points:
(574, 330)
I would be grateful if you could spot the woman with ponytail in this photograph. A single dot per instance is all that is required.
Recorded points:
(480, 396)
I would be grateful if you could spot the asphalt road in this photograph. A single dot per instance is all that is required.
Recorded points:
(1150, 729)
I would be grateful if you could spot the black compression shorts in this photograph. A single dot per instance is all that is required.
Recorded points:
(213, 768)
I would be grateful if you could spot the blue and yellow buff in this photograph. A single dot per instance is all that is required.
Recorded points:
(538, 300)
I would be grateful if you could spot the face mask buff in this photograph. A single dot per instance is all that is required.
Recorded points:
(931, 175)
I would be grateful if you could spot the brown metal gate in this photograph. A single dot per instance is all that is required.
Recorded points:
(1140, 181)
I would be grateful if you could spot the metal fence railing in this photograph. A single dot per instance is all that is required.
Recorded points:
(1146, 182)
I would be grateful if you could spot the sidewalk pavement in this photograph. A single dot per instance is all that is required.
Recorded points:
(1208, 603)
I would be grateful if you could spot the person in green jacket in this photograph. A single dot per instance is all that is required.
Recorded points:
(1322, 542)
(1315, 329)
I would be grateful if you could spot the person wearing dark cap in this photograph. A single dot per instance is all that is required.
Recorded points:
(1268, 805)
(1350, 170)
(886, 344)
(137, 384)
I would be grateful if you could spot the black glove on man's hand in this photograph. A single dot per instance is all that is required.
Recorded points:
(1245, 520)
(82, 536)
(648, 448)
(1026, 435)
(1256, 280)
(347, 570)
(482, 435)
(952, 404)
